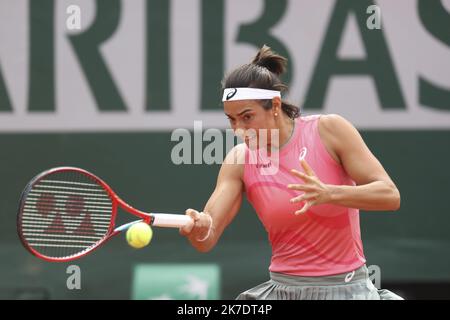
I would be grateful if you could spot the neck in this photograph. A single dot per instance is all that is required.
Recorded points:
(285, 126)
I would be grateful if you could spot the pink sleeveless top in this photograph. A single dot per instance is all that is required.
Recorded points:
(325, 240)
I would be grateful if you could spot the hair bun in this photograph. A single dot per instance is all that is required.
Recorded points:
(270, 60)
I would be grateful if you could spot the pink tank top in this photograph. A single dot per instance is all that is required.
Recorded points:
(325, 240)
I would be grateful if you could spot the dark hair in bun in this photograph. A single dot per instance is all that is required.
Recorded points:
(264, 73)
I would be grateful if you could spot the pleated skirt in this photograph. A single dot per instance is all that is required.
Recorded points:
(355, 285)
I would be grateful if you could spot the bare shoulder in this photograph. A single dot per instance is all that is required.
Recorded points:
(336, 132)
(236, 155)
(333, 123)
(234, 161)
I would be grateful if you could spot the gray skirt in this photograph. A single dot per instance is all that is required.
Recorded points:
(355, 285)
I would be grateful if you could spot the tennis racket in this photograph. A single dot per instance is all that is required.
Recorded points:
(66, 213)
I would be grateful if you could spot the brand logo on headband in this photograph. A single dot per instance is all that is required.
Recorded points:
(231, 94)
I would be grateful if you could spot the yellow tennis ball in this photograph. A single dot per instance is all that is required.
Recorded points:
(139, 235)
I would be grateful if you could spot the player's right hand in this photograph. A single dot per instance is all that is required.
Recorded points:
(198, 228)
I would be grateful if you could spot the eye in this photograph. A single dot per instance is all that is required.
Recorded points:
(247, 117)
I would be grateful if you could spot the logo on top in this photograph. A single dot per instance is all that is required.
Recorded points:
(302, 154)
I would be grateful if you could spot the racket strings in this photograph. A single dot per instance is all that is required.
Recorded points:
(65, 213)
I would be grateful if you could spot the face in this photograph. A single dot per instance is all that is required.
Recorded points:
(247, 117)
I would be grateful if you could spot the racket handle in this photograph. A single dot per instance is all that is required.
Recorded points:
(170, 220)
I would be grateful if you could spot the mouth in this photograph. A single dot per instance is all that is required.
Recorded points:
(247, 137)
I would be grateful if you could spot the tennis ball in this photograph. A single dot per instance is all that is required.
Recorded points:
(139, 235)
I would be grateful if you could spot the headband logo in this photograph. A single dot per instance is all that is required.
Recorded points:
(231, 94)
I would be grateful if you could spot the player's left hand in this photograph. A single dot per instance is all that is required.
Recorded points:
(315, 191)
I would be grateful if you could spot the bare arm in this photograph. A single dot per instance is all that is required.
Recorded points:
(374, 188)
(222, 206)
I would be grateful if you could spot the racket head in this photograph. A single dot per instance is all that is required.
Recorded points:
(65, 213)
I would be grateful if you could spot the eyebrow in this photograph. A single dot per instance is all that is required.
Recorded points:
(240, 113)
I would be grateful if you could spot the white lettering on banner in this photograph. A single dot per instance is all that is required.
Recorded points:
(414, 52)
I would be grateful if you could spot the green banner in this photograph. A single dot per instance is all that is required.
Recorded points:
(176, 282)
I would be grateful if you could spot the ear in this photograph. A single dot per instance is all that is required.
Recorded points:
(276, 105)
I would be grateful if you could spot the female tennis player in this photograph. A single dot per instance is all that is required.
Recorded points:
(307, 189)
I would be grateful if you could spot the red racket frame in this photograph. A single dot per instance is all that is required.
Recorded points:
(115, 200)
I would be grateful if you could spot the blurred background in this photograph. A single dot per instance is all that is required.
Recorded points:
(102, 84)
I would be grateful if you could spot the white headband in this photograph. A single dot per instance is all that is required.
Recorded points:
(233, 94)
